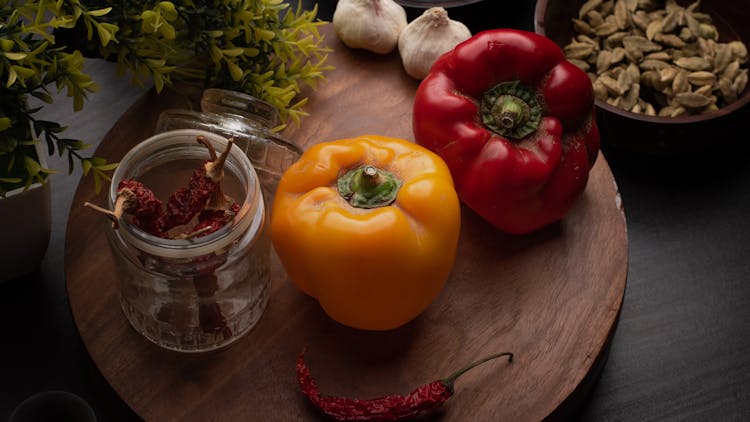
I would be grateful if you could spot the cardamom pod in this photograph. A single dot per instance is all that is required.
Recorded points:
(693, 63)
(692, 99)
(701, 77)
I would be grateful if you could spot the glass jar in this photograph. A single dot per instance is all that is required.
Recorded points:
(202, 293)
(250, 121)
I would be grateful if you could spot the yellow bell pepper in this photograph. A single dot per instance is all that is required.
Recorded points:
(369, 227)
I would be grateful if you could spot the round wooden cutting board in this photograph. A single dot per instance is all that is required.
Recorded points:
(551, 297)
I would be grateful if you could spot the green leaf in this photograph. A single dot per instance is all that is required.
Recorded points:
(167, 30)
(50, 144)
(100, 12)
(53, 127)
(28, 143)
(106, 32)
(97, 183)
(168, 9)
(12, 76)
(233, 52)
(104, 36)
(5, 123)
(78, 101)
(97, 161)
(215, 53)
(11, 179)
(234, 70)
(155, 63)
(43, 96)
(24, 72)
(39, 49)
(86, 166)
(108, 167)
(32, 166)
(77, 144)
(15, 56)
(158, 81)
(89, 29)
(251, 52)
(63, 22)
(264, 34)
(6, 44)
(39, 13)
(102, 174)
(149, 21)
(71, 163)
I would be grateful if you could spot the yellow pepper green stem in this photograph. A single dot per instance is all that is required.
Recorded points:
(369, 187)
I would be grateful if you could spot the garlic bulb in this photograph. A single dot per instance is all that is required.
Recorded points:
(372, 25)
(426, 38)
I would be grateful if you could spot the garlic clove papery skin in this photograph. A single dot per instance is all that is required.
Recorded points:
(373, 25)
(428, 37)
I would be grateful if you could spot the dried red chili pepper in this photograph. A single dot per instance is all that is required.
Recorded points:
(424, 399)
(220, 209)
(212, 220)
(203, 189)
(148, 209)
(135, 199)
(216, 210)
(210, 315)
(182, 206)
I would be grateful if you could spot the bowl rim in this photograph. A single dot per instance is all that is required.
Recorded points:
(424, 4)
(539, 27)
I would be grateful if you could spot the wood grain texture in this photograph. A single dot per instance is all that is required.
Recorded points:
(551, 297)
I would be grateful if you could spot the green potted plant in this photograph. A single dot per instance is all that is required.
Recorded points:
(264, 48)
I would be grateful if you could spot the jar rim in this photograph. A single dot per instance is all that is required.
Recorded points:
(251, 206)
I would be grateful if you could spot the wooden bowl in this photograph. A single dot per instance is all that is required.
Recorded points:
(651, 134)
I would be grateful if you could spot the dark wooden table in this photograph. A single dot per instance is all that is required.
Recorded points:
(681, 348)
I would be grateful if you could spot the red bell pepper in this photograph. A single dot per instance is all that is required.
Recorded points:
(514, 121)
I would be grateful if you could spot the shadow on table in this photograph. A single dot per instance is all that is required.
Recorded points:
(46, 353)
(721, 161)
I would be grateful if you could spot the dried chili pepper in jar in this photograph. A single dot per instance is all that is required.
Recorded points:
(422, 400)
(204, 187)
(214, 210)
(135, 199)
(148, 211)
(213, 219)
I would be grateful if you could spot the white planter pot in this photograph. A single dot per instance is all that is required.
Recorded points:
(26, 221)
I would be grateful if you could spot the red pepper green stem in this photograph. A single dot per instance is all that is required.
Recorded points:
(451, 379)
(369, 187)
(511, 109)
